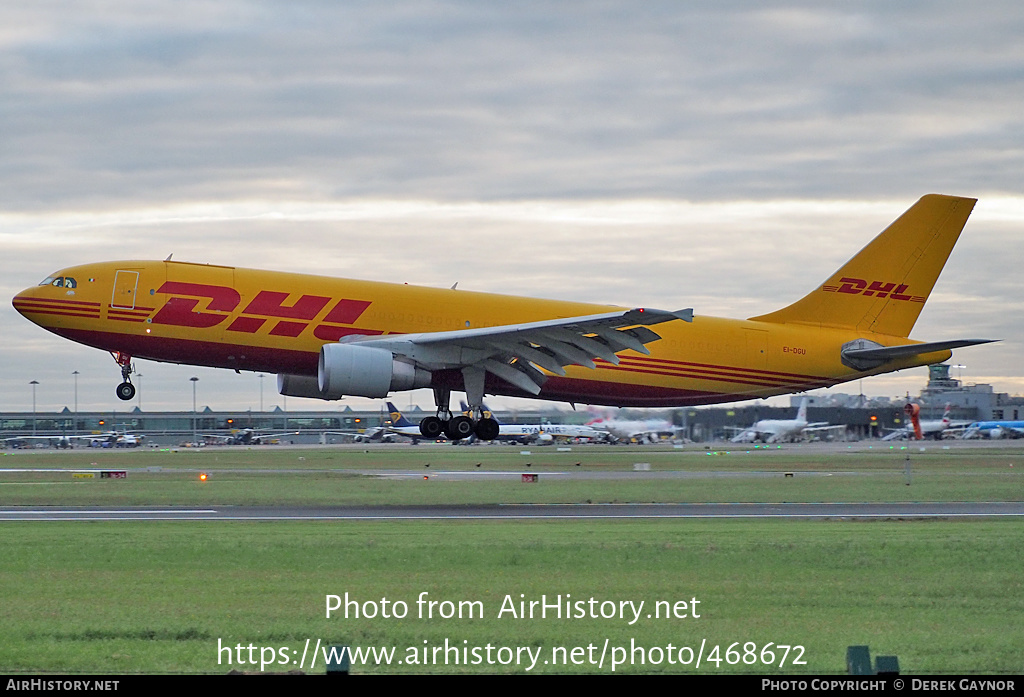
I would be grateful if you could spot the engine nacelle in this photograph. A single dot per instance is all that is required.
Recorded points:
(298, 386)
(363, 371)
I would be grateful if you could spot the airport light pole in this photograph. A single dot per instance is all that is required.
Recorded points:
(74, 430)
(195, 437)
(261, 376)
(34, 383)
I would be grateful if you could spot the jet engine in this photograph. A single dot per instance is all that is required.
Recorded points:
(298, 386)
(361, 371)
(350, 369)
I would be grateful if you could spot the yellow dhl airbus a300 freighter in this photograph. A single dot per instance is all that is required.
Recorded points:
(327, 337)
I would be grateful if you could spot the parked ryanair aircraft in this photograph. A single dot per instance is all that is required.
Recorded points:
(328, 337)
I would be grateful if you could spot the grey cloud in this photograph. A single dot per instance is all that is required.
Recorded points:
(519, 101)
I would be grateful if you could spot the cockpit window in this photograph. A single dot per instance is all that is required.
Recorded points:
(60, 282)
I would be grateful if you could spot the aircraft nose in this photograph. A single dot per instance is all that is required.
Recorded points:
(27, 301)
(49, 306)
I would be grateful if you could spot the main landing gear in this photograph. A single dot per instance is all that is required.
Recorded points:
(126, 390)
(457, 427)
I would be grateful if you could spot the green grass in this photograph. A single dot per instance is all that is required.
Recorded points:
(334, 476)
(157, 597)
(879, 456)
(321, 488)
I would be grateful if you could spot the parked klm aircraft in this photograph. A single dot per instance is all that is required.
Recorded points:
(327, 337)
(995, 429)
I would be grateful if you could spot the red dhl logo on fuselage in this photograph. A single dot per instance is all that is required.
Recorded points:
(268, 305)
(878, 289)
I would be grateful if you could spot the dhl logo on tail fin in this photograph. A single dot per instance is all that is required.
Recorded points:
(884, 287)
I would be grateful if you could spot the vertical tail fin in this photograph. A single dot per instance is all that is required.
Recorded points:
(487, 413)
(397, 418)
(884, 287)
(801, 414)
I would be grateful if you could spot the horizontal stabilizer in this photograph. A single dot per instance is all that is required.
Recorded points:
(863, 354)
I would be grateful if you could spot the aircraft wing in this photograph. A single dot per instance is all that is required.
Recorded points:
(838, 428)
(46, 438)
(512, 351)
(55, 438)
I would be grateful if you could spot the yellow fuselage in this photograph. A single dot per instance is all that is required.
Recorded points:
(276, 322)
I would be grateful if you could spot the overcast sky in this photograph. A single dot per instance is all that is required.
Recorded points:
(723, 155)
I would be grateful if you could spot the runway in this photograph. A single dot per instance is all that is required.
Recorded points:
(801, 511)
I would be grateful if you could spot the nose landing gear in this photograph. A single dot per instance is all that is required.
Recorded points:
(126, 390)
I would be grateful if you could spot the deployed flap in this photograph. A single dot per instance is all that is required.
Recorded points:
(508, 351)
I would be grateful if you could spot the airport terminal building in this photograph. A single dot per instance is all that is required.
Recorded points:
(864, 418)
